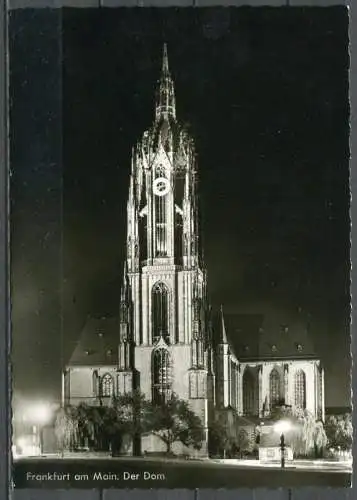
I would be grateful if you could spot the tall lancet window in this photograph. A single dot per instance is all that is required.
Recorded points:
(275, 388)
(179, 190)
(160, 311)
(250, 393)
(107, 385)
(143, 237)
(161, 376)
(160, 222)
(300, 389)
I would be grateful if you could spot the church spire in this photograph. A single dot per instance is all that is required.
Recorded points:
(223, 338)
(165, 61)
(165, 104)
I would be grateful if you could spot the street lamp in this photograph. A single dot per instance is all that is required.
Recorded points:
(39, 414)
(282, 428)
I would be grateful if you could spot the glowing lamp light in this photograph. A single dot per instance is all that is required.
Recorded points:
(37, 415)
(22, 442)
(25, 448)
(40, 413)
(282, 427)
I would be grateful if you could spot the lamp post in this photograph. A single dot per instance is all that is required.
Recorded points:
(282, 448)
(282, 428)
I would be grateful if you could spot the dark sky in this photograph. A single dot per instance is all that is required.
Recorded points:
(265, 93)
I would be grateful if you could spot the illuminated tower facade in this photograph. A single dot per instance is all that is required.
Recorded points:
(165, 340)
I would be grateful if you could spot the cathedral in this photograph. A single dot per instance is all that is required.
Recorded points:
(166, 338)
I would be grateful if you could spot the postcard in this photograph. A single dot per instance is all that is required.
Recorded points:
(180, 238)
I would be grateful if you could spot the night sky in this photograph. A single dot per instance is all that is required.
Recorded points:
(265, 94)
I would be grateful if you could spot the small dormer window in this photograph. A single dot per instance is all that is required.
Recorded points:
(299, 347)
(246, 348)
(87, 352)
(261, 330)
(100, 334)
(109, 352)
(274, 348)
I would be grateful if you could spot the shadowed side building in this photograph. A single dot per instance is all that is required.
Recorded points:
(264, 364)
(90, 376)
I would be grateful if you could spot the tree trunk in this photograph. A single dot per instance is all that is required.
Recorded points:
(137, 444)
(168, 447)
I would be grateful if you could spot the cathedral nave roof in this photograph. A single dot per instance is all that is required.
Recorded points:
(98, 343)
(255, 336)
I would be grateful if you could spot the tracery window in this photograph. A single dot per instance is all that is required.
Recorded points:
(198, 385)
(95, 383)
(107, 385)
(275, 387)
(161, 375)
(300, 389)
(160, 310)
(178, 236)
(249, 393)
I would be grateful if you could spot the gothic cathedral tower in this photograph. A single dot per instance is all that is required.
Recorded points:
(165, 333)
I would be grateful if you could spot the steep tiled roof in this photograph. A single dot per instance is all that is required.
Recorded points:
(243, 333)
(98, 344)
(258, 337)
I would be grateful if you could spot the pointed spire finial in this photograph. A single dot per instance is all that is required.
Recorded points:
(224, 333)
(165, 104)
(165, 59)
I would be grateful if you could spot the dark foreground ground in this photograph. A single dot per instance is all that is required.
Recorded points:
(142, 473)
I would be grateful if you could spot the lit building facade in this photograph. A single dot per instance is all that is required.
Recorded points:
(166, 339)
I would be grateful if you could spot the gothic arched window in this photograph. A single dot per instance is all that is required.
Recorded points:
(160, 311)
(179, 191)
(275, 387)
(249, 393)
(107, 385)
(161, 375)
(95, 383)
(300, 389)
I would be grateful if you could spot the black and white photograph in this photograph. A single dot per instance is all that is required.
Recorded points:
(180, 248)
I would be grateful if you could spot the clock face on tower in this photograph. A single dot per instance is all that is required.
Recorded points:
(161, 186)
